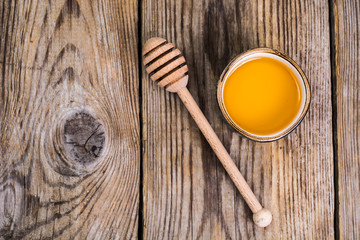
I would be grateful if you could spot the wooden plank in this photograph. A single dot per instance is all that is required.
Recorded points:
(69, 120)
(186, 193)
(346, 73)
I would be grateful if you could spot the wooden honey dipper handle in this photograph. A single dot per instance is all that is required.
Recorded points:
(262, 217)
(167, 66)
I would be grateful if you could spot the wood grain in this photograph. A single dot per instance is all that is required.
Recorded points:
(346, 74)
(187, 194)
(69, 120)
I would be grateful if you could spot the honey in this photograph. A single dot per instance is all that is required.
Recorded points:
(263, 95)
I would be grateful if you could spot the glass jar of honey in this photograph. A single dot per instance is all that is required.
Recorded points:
(263, 94)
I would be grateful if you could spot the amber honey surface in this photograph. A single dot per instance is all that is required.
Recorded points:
(262, 96)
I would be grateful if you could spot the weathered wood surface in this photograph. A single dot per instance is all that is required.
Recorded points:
(70, 127)
(69, 123)
(186, 193)
(346, 74)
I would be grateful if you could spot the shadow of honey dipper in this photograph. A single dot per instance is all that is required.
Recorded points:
(167, 66)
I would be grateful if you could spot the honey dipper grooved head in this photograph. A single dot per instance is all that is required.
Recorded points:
(165, 64)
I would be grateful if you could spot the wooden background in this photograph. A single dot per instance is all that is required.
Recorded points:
(91, 148)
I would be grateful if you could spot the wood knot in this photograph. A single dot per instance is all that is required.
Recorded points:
(84, 137)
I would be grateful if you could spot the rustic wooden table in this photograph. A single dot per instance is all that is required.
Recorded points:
(91, 148)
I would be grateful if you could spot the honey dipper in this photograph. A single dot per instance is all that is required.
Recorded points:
(167, 66)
